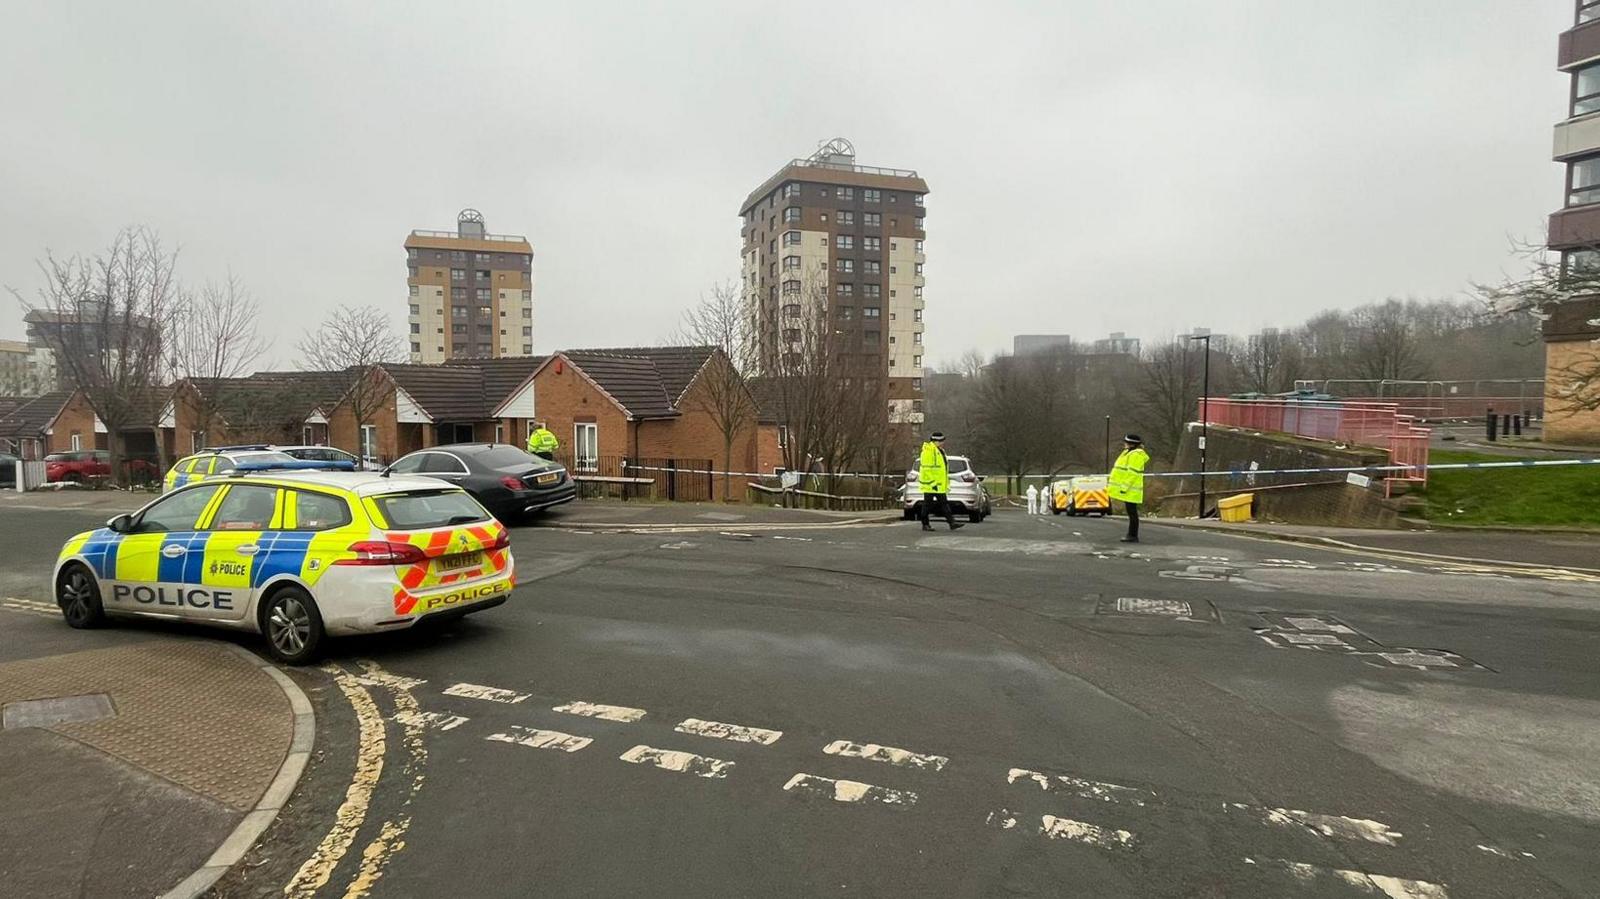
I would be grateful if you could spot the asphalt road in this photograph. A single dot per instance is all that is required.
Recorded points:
(1022, 708)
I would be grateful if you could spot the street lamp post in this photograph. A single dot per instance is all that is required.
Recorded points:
(1205, 416)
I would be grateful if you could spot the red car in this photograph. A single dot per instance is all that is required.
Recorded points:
(85, 465)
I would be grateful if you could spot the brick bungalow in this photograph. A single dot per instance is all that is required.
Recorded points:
(418, 406)
(645, 404)
(53, 423)
(1571, 354)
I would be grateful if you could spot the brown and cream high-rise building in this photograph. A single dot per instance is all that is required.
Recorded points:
(471, 292)
(827, 236)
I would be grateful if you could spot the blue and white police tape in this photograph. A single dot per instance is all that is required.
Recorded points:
(1216, 472)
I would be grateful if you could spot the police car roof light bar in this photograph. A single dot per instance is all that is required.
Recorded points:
(297, 465)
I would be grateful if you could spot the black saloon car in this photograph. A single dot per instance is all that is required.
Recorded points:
(508, 482)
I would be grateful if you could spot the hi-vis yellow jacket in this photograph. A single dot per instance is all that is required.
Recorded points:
(1127, 476)
(933, 472)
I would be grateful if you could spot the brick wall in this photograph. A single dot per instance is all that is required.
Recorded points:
(564, 398)
(343, 433)
(1563, 422)
(75, 418)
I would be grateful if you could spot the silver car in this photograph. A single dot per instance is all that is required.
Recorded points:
(967, 494)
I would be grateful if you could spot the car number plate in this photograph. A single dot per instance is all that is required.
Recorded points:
(548, 479)
(460, 560)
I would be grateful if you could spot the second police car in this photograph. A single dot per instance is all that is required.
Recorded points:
(296, 556)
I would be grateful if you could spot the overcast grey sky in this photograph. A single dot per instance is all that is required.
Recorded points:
(1094, 166)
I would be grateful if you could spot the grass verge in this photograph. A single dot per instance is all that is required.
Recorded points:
(1527, 497)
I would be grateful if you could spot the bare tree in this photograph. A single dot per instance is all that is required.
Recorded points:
(1270, 361)
(1386, 344)
(350, 344)
(723, 391)
(1166, 396)
(1567, 287)
(106, 318)
(215, 338)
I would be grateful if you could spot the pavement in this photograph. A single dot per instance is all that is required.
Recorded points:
(693, 706)
(120, 776)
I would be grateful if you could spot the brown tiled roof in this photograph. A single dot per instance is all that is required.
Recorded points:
(501, 375)
(769, 401)
(634, 382)
(447, 393)
(675, 365)
(31, 417)
(321, 390)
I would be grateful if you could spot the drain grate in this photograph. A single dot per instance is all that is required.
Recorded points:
(1170, 609)
(61, 710)
(1134, 605)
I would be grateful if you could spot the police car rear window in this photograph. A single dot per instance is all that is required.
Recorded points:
(429, 509)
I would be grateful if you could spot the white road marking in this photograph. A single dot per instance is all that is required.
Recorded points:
(1505, 853)
(382, 678)
(872, 752)
(541, 739)
(1373, 884)
(433, 720)
(605, 712)
(1317, 624)
(1336, 826)
(849, 791)
(490, 694)
(736, 733)
(1056, 828)
(672, 760)
(1086, 789)
(1002, 819)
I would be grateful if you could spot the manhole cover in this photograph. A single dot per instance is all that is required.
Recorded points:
(1172, 609)
(1133, 605)
(61, 710)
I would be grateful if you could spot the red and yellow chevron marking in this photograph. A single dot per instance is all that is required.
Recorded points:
(435, 544)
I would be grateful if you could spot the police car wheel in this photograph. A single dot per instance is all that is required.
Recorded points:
(78, 595)
(292, 625)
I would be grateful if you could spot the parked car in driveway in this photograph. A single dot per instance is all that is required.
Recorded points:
(8, 470)
(89, 465)
(510, 482)
(967, 494)
(308, 453)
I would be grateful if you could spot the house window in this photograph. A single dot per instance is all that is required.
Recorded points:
(919, 269)
(791, 215)
(458, 328)
(846, 193)
(844, 241)
(526, 312)
(480, 258)
(871, 312)
(485, 311)
(872, 244)
(527, 349)
(412, 270)
(791, 286)
(871, 336)
(916, 315)
(872, 196)
(919, 245)
(847, 290)
(1581, 262)
(917, 338)
(414, 290)
(791, 335)
(527, 330)
(791, 238)
(791, 263)
(499, 432)
(1586, 90)
(916, 293)
(846, 313)
(792, 310)
(871, 291)
(416, 347)
(458, 312)
(791, 190)
(527, 296)
(416, 328)
(369, 442)
(411, 254)
(483, 294)
(586, 446)
(416, 309)
(458, 274)
(917, 361)
(846, 217)
(845, 265)
(872, 267)
(458, 293)
(483, 275)
(916, 383)
(458, 255)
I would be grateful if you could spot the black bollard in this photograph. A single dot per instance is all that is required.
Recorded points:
(1492, 421)
(1516, 425)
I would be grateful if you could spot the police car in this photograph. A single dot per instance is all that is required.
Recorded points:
(296, 556)
(222, 460)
